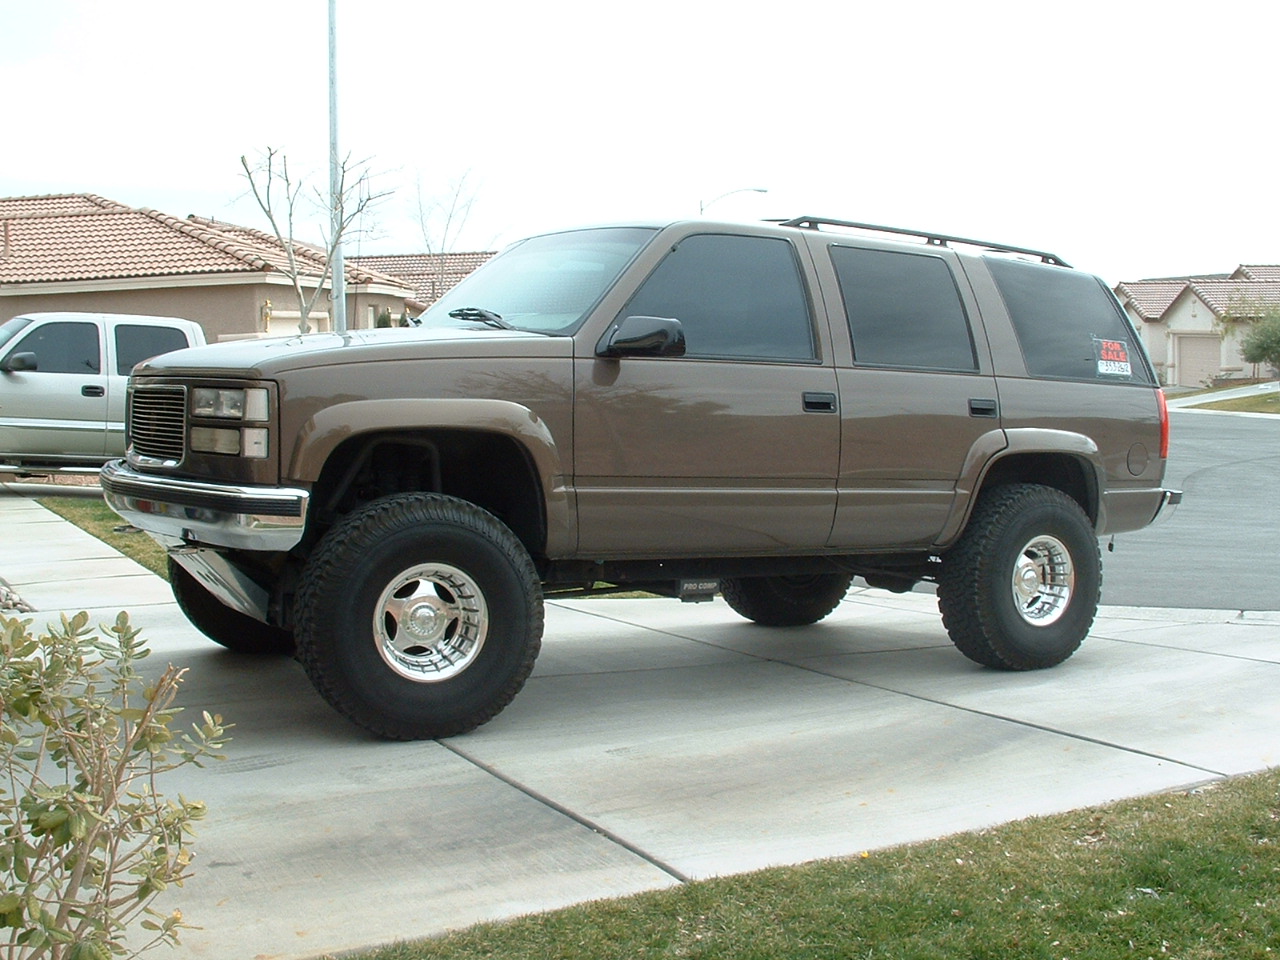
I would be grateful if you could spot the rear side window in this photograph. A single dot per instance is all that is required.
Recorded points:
(136, 342)
(1068, 324)
(63, 347)
(903, 310)
(739, 297)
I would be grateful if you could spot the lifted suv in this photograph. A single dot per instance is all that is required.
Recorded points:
(764, 411)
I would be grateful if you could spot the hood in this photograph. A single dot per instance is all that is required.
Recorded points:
(265, 357)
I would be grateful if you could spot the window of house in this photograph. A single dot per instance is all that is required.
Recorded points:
(135, 343)
(740, 297)
(903, 310)
(1068, 324)
(63, 347)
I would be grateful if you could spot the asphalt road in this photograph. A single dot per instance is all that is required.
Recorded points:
(1221, 548)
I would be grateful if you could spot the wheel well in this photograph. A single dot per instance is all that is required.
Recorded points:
(1061, 471)
(490, 470)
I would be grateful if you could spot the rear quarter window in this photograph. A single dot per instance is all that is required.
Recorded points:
(138, 342)
(1068, 324)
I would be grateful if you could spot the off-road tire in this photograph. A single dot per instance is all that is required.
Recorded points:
(786, 601)
(236, 631)
(1020, 589)
(419, 616)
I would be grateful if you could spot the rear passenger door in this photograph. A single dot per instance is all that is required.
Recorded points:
(131, 343)
(917, 394)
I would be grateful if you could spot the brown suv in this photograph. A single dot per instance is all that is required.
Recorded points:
(764, 411)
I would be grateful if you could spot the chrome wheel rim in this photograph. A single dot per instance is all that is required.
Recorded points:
(430, 623)
(1043, 581)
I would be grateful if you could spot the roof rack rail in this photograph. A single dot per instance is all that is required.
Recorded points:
(933, 239)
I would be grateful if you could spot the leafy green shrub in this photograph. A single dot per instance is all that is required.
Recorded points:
(86, 839)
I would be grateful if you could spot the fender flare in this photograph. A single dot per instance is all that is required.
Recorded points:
(326, 429)
(997, 445)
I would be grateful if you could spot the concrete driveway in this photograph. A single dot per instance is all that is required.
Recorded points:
(655, 742)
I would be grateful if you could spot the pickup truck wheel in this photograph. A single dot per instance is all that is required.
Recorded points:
(419, 616)
(1020, 589)
(234, 630)
(786, 601)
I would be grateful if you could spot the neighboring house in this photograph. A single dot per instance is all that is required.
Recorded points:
(1191, 326)
(81, 252)
(430, 274)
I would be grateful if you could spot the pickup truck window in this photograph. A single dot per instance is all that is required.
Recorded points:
(739, 297)
(1068, 324)
(136, 342)
(903, 310)
(63, 347)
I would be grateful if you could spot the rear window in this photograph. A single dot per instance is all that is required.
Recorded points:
(1068, 324)
(136, 342)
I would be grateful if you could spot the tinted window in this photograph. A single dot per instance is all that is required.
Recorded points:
(63, 347)
(135, 343)
(1068, 323)
(903, 310)
(734, 296)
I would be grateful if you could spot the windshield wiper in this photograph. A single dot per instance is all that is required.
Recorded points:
(480, 315)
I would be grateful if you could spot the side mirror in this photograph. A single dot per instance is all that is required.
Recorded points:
(643, 337)
(18, 362)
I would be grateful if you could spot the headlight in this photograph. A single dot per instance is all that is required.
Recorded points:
(226, 404)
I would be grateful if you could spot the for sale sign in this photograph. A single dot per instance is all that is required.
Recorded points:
(1113, 358)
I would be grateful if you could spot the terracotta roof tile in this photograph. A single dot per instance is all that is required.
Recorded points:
(85, 237)
(1150, 298)
(1248, 271)
(430, 274)
(1237, 296)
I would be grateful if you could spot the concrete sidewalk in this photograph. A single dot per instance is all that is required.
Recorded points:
(655, 742)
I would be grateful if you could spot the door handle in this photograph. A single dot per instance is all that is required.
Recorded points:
(819, 402)
(983, 407)
(92, 390)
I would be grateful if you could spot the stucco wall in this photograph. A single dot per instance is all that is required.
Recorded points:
(233, 310)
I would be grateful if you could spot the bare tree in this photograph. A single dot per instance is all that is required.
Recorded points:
(278, 194)
(442, 221)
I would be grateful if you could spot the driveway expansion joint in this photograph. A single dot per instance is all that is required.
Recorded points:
(561, 809)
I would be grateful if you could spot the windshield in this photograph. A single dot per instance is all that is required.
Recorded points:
(9, 329)
(545, 284)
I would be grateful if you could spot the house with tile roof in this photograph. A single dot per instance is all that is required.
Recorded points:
(430, 274)
(1192, 326)
(82, 252)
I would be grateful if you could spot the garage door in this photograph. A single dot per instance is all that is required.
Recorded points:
(1199, 360)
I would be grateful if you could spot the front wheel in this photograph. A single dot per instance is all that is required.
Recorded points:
(419, 616)
(1020, 589)
(786, 601)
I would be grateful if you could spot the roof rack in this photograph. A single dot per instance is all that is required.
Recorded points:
(933, 239)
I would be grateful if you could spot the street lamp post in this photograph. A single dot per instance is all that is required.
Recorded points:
(702, 205)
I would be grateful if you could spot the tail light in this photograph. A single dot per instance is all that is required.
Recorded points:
(1164, 424)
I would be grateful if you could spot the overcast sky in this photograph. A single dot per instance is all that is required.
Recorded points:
(1134, 139)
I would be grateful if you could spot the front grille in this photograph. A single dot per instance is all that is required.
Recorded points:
(157, 422)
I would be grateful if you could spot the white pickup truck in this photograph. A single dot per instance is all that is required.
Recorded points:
(63, 383)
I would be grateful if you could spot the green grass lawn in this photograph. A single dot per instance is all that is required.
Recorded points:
(93, 516)
(1191, 875)
(1264, 402)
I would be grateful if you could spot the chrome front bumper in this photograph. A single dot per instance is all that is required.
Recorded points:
(190, 512)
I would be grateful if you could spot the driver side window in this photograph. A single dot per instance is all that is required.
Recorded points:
(738, 297)
(63, 347)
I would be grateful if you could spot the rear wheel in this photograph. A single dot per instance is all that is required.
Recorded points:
(419, 616)
(1020, 589)
(231, 628)
(786, 601)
